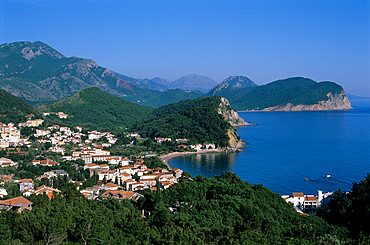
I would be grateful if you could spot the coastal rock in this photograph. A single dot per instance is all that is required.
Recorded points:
(334, 102)
(230, 114)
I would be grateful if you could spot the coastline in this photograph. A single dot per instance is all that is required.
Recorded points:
(166, 158)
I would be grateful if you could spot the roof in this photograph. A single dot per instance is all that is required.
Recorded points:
(119, 194)
(25, 180)
(298, 194)
(16, 201)
(310, 198)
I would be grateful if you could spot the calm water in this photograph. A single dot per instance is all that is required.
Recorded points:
(287, 147)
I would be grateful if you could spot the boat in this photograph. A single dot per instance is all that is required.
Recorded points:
(328, 176)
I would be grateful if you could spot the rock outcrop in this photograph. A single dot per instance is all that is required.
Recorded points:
(334, 102)
(230, 114)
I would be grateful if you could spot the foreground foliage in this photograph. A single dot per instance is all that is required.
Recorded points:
(219, 210)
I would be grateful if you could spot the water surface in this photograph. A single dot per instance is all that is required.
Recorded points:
(287, 147)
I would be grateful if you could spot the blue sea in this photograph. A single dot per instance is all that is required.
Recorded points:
(285, 148)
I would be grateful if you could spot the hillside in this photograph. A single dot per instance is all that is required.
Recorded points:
(39, 74)
(292, 94)
(13, 109)
(93, 108)
(194, 82)
(202, 120)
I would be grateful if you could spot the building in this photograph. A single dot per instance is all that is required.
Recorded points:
(121, 195)
(17, 203)
(25, 184)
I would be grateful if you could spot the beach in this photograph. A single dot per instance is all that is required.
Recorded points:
(168, 157)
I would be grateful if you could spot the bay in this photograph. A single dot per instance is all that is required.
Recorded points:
(287, 147)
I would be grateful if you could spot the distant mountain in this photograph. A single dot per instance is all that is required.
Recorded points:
(194, 82)
(166, 97)
(355, 97)
(231, 85)
(292, 94)
(162, 81)
(94, 108)
(39, 74)
(143, 83)
(13, 109)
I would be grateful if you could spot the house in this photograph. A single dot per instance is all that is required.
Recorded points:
(25, 184)
(16, 203)
(35, 122)
(197, 147)
(3, 192)
(121, 195)
(182, 140)
(125, 161)
(110, 186)
(5, 162)
(48, 191)
(177, 172)
(210, 146)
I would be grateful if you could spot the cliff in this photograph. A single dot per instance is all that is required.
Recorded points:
(232, 117)
(229, 114)
(334, 102)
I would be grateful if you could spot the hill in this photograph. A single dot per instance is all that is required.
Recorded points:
(203, 120)
(39, 74)
(13, 109)
(292, 94)
(231, 86)
(194, 82)
(93, 108)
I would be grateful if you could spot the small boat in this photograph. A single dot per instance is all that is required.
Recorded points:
(305, 179)
(328, 176)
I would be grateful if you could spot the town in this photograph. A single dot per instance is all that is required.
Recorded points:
(97, 174)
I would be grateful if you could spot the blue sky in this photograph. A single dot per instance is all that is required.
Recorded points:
(326, 40)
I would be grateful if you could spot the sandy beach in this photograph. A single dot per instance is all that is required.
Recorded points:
(168, 157)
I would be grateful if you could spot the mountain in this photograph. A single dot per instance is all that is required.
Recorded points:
(13, 109)
(232, 85)
(291, 94)
(356, 97)
(207, 119)
(167, 97)
(162, 81)
(93, 108)
(145, 83)
(194, 82)
(39, 74)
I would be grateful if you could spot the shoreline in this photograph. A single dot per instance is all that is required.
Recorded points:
(166, 158)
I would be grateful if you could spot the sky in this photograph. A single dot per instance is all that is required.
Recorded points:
(325, 40)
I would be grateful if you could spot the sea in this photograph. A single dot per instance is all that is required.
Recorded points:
(295, 151)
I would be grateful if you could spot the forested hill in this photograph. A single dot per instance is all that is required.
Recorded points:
(13, 109)
(295, 93)
(94, 109)
(201, 121)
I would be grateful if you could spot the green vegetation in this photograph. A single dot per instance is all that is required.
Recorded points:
(351, 210)
(95, 109)
(158, 99)
(13, 109)
(218, 210)
(296, 90)
(197, 120)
